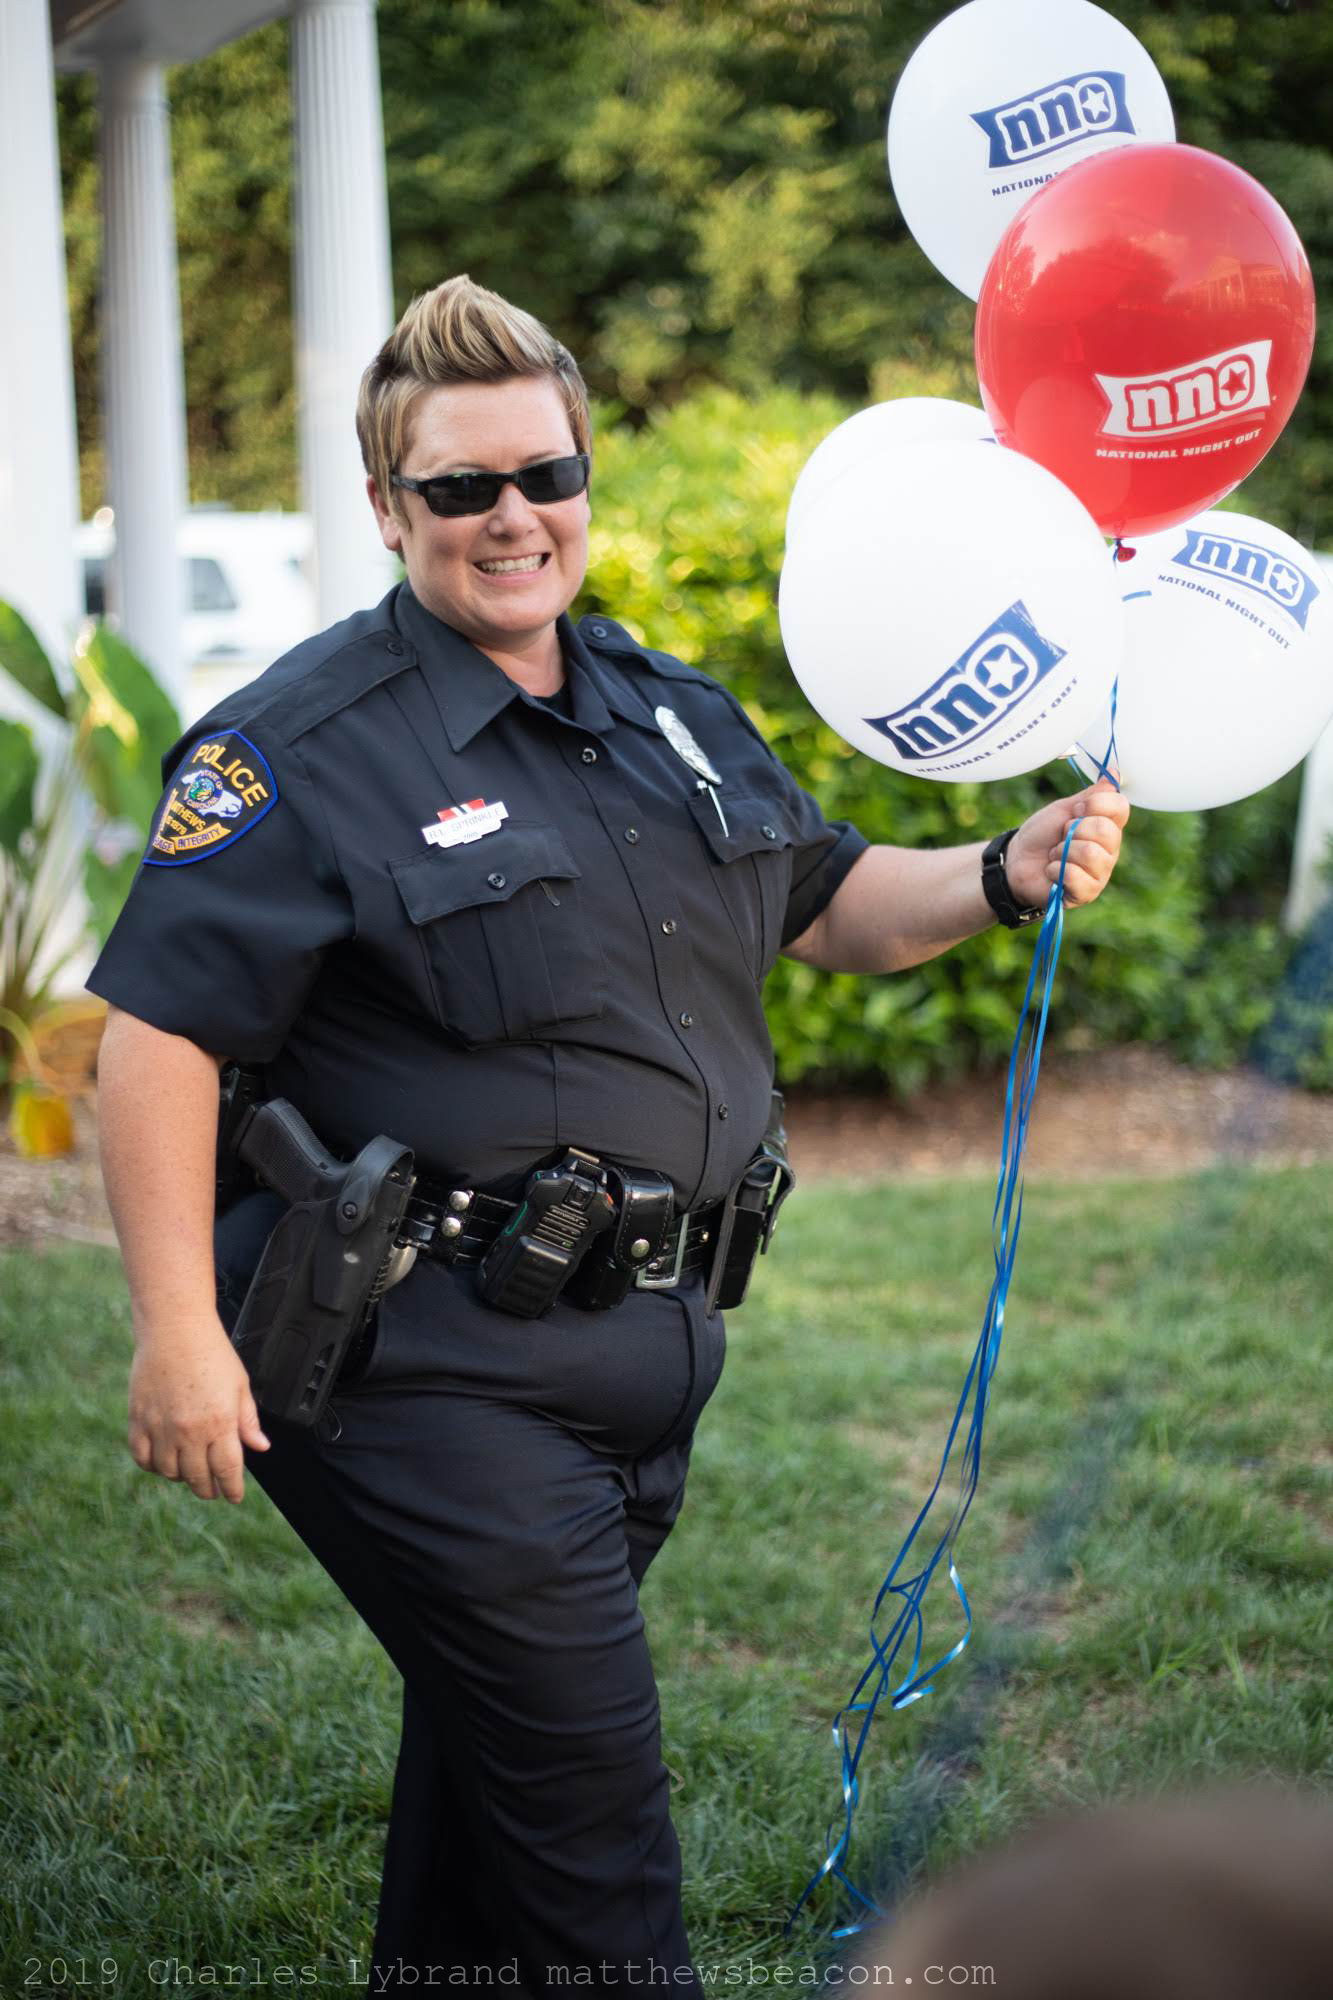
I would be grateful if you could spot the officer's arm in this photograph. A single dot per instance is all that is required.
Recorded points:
(190, 1402)
(898, 906)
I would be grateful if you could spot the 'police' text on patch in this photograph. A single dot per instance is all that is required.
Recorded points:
(221, 790)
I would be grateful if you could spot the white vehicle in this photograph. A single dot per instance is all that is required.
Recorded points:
(249, 593)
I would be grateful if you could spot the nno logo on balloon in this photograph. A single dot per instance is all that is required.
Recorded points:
(1171, 401)
(1234, 561)
(1057, 115)
(984, 685)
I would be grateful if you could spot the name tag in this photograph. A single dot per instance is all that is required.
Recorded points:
(459, 824)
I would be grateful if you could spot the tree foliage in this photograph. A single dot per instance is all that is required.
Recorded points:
(688, 191)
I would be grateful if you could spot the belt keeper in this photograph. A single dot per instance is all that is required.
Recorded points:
(438, 1223)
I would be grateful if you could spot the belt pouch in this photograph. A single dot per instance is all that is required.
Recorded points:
(750, 1214)
(740, 1235)
(644, 1210)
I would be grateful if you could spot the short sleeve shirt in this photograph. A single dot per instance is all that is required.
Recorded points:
(428, 904)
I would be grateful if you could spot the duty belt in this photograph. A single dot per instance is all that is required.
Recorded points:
(588, 1230)
(585, 1229)
(458, 1225)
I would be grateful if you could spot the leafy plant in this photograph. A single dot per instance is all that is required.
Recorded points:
(76, 824)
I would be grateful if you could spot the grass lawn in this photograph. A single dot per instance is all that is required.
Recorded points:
(199, 1734)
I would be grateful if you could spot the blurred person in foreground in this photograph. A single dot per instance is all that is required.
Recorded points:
(1221, 1896)
(502, 887)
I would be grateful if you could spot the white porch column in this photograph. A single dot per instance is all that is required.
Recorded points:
(1314, 831)
(38, 477)
(344, 301)
(143, 377)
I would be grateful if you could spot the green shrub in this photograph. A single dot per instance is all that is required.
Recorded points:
(687, 541)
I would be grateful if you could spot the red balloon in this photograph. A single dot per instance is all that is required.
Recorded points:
(1144, 330)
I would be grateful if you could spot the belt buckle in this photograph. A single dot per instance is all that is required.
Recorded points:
(642, 1281)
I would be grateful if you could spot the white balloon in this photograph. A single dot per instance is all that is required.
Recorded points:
(1000, 98)
(961, 620)
(1228, 673)
(878, 432)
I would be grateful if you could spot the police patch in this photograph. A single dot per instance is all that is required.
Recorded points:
(222, 789)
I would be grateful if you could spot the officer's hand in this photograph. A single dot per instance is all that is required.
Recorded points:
(191, 1410)
(1032, 861)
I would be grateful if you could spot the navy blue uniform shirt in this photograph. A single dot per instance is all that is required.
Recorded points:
(333, 892)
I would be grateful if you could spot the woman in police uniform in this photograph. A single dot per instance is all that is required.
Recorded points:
(461, 872)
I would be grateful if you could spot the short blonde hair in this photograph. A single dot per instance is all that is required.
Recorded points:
(460, 332)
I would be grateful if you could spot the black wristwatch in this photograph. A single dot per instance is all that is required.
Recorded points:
(995, 882)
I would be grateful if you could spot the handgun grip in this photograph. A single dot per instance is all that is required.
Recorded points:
(283, 1152)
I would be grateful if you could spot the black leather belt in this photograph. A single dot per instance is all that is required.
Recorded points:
(458, 1225)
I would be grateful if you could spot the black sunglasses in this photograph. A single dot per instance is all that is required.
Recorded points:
(453, 493)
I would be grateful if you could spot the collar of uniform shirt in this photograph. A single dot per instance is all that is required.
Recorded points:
(470, 690)
(621, 691)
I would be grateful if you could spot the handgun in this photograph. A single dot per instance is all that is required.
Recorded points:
(327, 1262)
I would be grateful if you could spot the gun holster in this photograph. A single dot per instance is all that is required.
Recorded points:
(326, 1263)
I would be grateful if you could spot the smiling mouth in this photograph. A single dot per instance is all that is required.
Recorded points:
(513, 565)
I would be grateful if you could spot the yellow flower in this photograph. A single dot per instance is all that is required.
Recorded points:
(40, 1123)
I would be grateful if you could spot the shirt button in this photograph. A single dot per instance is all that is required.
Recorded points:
(496, 881)
(588, 754)
(631, 834)
(394, 646)
(670, 926)
(687, 1020)
(724, 1111)
(768, 833)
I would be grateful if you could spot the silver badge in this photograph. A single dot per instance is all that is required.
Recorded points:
(684, 745)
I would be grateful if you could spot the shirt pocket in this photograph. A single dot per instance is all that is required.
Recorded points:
(504, 934)
(752, 866)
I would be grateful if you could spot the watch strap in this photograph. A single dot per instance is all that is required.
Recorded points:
(995, 882)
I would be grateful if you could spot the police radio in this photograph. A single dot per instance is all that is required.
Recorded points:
(563, 1210)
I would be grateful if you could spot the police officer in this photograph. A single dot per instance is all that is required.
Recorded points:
(460, 871)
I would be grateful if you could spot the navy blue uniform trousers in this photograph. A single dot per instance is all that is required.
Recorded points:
(488, 1495)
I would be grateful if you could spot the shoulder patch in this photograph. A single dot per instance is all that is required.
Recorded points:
(221, 789)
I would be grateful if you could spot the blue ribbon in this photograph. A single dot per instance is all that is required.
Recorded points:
(1109, 765)
(851, 1725)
